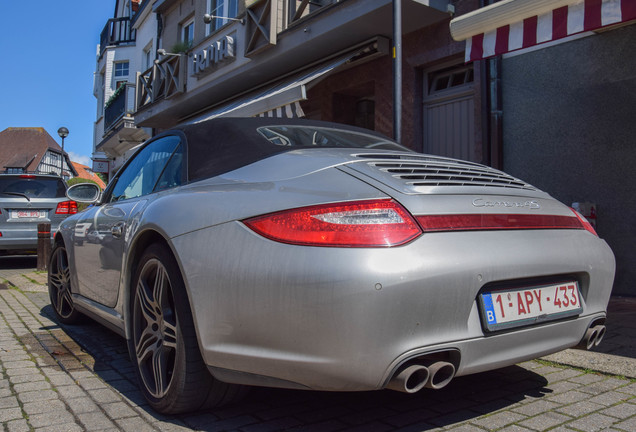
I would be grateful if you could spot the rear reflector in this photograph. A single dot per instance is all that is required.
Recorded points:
(377, 223)
(66, 207)
(474, 222)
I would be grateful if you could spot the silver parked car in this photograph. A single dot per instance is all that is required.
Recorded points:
(27, 200)
(308, 255)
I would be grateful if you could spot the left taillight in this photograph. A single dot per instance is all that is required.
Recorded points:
(376, 223)
(66, 207)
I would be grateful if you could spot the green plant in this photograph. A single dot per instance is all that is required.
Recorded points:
(114, 96)
(181, 47)
(76, 180)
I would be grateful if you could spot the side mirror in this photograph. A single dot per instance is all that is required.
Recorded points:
(84, 193)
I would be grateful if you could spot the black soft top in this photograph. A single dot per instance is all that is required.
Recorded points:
(221, 145)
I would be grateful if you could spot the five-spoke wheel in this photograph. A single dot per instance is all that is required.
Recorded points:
(155, 328)
(163, 343)
(59, 281)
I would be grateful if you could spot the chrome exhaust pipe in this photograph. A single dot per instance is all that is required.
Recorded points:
(599, 336)
(410, 379)
(441, 373)
(593, 337)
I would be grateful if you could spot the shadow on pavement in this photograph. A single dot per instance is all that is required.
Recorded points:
(466, 398)
(18, 262)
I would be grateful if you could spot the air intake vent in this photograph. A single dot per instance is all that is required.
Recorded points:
(432, 171)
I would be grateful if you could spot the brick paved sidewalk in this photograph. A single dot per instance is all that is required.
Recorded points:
(76, 378)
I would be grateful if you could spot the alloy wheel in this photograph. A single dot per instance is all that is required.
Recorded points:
(60, 284)
(155, 328)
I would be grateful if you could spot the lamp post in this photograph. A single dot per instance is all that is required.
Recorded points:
(63, 133)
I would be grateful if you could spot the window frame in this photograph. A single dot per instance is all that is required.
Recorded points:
(189, 23)
(119, 74)
(182, 143)
(220, 8)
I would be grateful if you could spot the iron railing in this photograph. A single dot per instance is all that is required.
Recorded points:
(120, 105)
(117, 31)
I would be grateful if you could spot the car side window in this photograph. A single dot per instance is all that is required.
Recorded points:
(173, 173)
(141, 174)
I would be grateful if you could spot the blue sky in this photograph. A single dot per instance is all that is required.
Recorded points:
(47, 61)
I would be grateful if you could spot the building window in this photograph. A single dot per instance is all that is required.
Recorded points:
(222, 9)
(147, 59)
(121, 69)
(450, 79)
(187, 32)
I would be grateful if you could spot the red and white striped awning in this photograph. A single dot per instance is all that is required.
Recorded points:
(511, 25)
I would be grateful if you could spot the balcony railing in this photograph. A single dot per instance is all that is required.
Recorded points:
(117, 31)
(163, 80)
(267, 18)
(121, 105)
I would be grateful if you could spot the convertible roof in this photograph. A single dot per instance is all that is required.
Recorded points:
(221, 145)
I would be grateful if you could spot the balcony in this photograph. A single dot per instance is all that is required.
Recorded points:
(267, 18)
(117, 31)
(163, 80)
(121, 105)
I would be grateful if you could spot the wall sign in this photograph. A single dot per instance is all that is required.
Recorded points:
(100, 166)
(211, 57)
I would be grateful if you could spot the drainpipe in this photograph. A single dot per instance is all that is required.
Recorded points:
(492, 107)
(397, 70)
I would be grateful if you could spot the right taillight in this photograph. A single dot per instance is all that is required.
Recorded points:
(586, 225)
(66, 207)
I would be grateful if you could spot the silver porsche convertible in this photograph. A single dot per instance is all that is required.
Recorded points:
(308, 255)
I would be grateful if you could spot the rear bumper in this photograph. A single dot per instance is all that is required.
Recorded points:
(20, 239)
(346, 319)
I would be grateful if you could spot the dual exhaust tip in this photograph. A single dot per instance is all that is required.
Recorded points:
(411, 379)
(438, 374)
(593, 337)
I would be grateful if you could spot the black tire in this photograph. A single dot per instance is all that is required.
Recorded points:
(59, 282)
(163, 344)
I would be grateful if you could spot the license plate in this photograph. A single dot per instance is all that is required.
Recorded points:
(19, 214)
(530, 305)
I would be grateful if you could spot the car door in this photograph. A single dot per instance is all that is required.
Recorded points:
(107, 229)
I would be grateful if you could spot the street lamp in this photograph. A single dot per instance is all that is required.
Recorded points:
(207, 18)
(63, 133)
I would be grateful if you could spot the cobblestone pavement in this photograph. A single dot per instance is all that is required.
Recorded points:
(76, 378)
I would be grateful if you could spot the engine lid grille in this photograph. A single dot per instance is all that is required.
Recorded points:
(414, 171)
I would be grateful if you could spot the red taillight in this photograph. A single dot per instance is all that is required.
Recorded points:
(586, 225)
(27, 176)
(66, 207)
(475, 222)
(378, 223)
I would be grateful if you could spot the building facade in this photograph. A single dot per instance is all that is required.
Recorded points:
(127, 46)
(327, 60)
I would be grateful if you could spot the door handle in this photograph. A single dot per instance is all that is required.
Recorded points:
(118, 229)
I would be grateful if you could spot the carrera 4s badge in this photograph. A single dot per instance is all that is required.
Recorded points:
(480, 202)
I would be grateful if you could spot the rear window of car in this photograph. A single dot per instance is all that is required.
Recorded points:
(32, 186)
(224, 144)
(308, 137)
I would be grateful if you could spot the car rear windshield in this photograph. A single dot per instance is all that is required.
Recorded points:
(224, 144)
(32, 186)
(303, 136)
